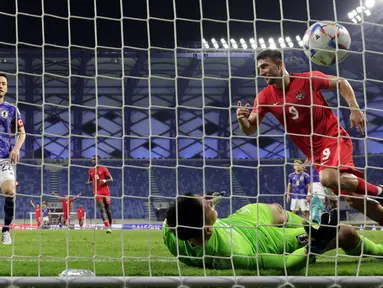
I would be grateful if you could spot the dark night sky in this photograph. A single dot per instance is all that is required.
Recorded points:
(162, 32)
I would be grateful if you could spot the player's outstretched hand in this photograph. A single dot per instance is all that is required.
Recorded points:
(327, 231)
(242, 111)
(358, 120)
(14, 156)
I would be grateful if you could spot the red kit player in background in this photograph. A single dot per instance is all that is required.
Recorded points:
(100, 177)
(66, 206)
(290, 98)
(38, 213)
(80, 215)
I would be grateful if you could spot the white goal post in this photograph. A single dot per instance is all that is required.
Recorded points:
(54, 219)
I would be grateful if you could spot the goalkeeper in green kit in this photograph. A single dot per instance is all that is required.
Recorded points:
(257, 234)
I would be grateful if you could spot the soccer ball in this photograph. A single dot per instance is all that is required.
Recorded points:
(321, 41)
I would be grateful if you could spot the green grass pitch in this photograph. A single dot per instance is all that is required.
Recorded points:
(139, 253)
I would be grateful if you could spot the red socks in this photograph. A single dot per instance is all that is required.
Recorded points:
(106, 223)
(371, 189)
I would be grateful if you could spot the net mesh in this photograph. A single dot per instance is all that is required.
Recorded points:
(152, 88)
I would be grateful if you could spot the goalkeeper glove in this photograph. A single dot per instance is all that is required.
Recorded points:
(327, 231)
(217, 196)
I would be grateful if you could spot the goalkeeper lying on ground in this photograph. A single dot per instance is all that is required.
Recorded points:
(244, 241)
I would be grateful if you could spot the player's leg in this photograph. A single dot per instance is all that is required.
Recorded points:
(107, 209)
(317, 208)
(340, 154)
(373, 209)
(101, 207)
(65, 219)
(353, 244)
(294, 206)
(8, 188)
(318, 201)
(304, 207)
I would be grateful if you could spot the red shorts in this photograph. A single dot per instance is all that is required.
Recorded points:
(337, 153)
(103, 195)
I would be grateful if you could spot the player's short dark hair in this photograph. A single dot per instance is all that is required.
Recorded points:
(189, 211)
(270, 53)
(94, 156)
(4, 75)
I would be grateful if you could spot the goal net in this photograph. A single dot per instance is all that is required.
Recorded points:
(152, 88)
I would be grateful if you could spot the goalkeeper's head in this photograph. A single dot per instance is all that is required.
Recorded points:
(195, 215)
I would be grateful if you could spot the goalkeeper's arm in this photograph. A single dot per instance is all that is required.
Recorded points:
(295, 260)
(318, 241)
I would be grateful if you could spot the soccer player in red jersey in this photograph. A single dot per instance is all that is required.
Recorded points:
(80, 216)
(100, 177)
(296, 102)
(66, 206)
(38, 213)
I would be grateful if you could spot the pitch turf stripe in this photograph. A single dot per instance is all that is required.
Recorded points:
(84, 260)
(47, 260)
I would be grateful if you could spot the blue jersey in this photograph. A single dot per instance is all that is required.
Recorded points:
(10, 120)
(299, 184)
(45, 212)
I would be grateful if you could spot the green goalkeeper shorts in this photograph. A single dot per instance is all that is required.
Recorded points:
(276, 239)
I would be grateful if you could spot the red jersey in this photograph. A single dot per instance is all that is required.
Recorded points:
(65, 202)
(98, 174)
(80, 213)
(38, 213)
(298, 117)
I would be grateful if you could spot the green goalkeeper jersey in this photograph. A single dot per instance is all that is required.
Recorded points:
(244, 240)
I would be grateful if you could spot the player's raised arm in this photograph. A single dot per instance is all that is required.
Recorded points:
(33, 205)
(57, 196)
(330, 82)
(357, 117)
(74, 198)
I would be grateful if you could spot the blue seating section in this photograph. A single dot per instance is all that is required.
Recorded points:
(130, 197)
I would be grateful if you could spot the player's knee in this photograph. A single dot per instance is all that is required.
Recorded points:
(10, 193)
(8, 188)
(348, 237)
(279, 216)
(328, 180)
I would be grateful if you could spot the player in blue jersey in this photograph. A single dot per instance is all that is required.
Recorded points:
(45, 211)
(297, 190)
(10, 124)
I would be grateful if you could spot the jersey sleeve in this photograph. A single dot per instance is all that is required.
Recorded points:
(17, 122)
(107, 173)
(259, 101)
(171, 242)
(319, 81)
(295, 260)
